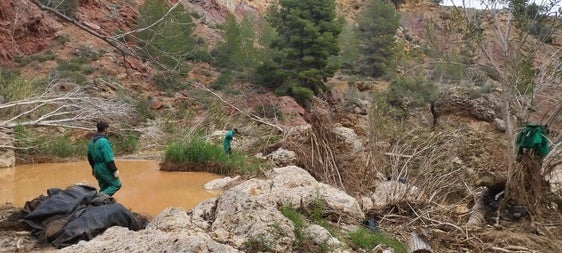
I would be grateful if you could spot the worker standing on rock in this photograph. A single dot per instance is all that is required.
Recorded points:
(228, 139)
(100, 157)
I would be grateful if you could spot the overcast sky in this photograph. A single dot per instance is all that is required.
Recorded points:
(478, 3)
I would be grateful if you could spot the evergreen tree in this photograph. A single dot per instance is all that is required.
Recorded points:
(237, 51)
(377, 26)
(308, 32)
(349, 44)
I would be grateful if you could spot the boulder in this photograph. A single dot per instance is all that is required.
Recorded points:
(283, 157)
(220, 184)
(120, 239)
(350, 138)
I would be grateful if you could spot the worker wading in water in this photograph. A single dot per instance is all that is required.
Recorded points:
(228, 139)
(100, 157)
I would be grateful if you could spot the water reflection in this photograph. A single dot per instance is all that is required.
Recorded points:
(145, 189)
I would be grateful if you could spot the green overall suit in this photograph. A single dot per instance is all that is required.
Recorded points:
(100, 157)
(226, 143)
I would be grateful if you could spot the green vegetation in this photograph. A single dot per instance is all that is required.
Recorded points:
(63, 147)
(298, 222)
(196, 154)
(34, 144)
(404, 92)
(377, 25)
(365, 239)
(298, 218)
(77, 68)
(533, 18)
(237, 52)
(49, 55)
(349, 44)
(14, 87)
(308, 32)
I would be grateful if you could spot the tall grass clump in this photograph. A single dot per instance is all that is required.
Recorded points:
(63, 147)
(14, 87)
(196, 154)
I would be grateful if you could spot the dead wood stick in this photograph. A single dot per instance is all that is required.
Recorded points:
(418, 244)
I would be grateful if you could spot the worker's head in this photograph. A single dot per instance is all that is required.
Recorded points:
(102, 126)
(235, 130)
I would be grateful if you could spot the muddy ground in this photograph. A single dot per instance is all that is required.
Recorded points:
(14, 236)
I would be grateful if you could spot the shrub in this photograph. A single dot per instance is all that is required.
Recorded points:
(415, 92)
(62, 147)
(302, 95)
(222, 81)
(13, 87)
(124, 144)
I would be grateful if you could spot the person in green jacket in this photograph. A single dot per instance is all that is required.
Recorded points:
(228, 139)
(100, 157)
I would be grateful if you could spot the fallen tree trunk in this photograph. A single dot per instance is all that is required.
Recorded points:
(494, 184)
(477, 217)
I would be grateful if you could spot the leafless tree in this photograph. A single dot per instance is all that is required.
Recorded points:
(59, 107)
(528, 71)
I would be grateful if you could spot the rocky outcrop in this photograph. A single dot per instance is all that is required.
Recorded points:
(482, 108)
(24, 29)
(244, 214)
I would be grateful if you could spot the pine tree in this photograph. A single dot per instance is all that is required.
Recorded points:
(377, 25)
(308, 32)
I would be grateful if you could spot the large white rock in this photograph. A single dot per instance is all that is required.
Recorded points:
(243, 216)
(250, 210)
(295, 185)
(121, 239)
(283, 157)
(350, 138)
(321, 236)
(220, 183)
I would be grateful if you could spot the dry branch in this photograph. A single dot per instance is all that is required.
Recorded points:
(73, 109)
(417, 244)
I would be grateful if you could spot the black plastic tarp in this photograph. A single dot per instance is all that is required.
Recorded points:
(79, 212)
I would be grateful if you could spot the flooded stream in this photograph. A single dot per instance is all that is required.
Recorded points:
(145, 189)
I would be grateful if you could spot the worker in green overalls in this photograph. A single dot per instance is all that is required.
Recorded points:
(100, 157)
(228, 139)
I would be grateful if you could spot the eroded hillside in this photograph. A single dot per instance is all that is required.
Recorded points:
(347, 139)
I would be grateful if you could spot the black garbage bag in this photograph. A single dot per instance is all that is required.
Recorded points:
(57, 204)
(94, 220)
(79, 212)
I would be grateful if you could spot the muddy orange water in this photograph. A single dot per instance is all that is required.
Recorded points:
(145, 189)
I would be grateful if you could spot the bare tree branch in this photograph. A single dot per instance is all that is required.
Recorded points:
(73, 109)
